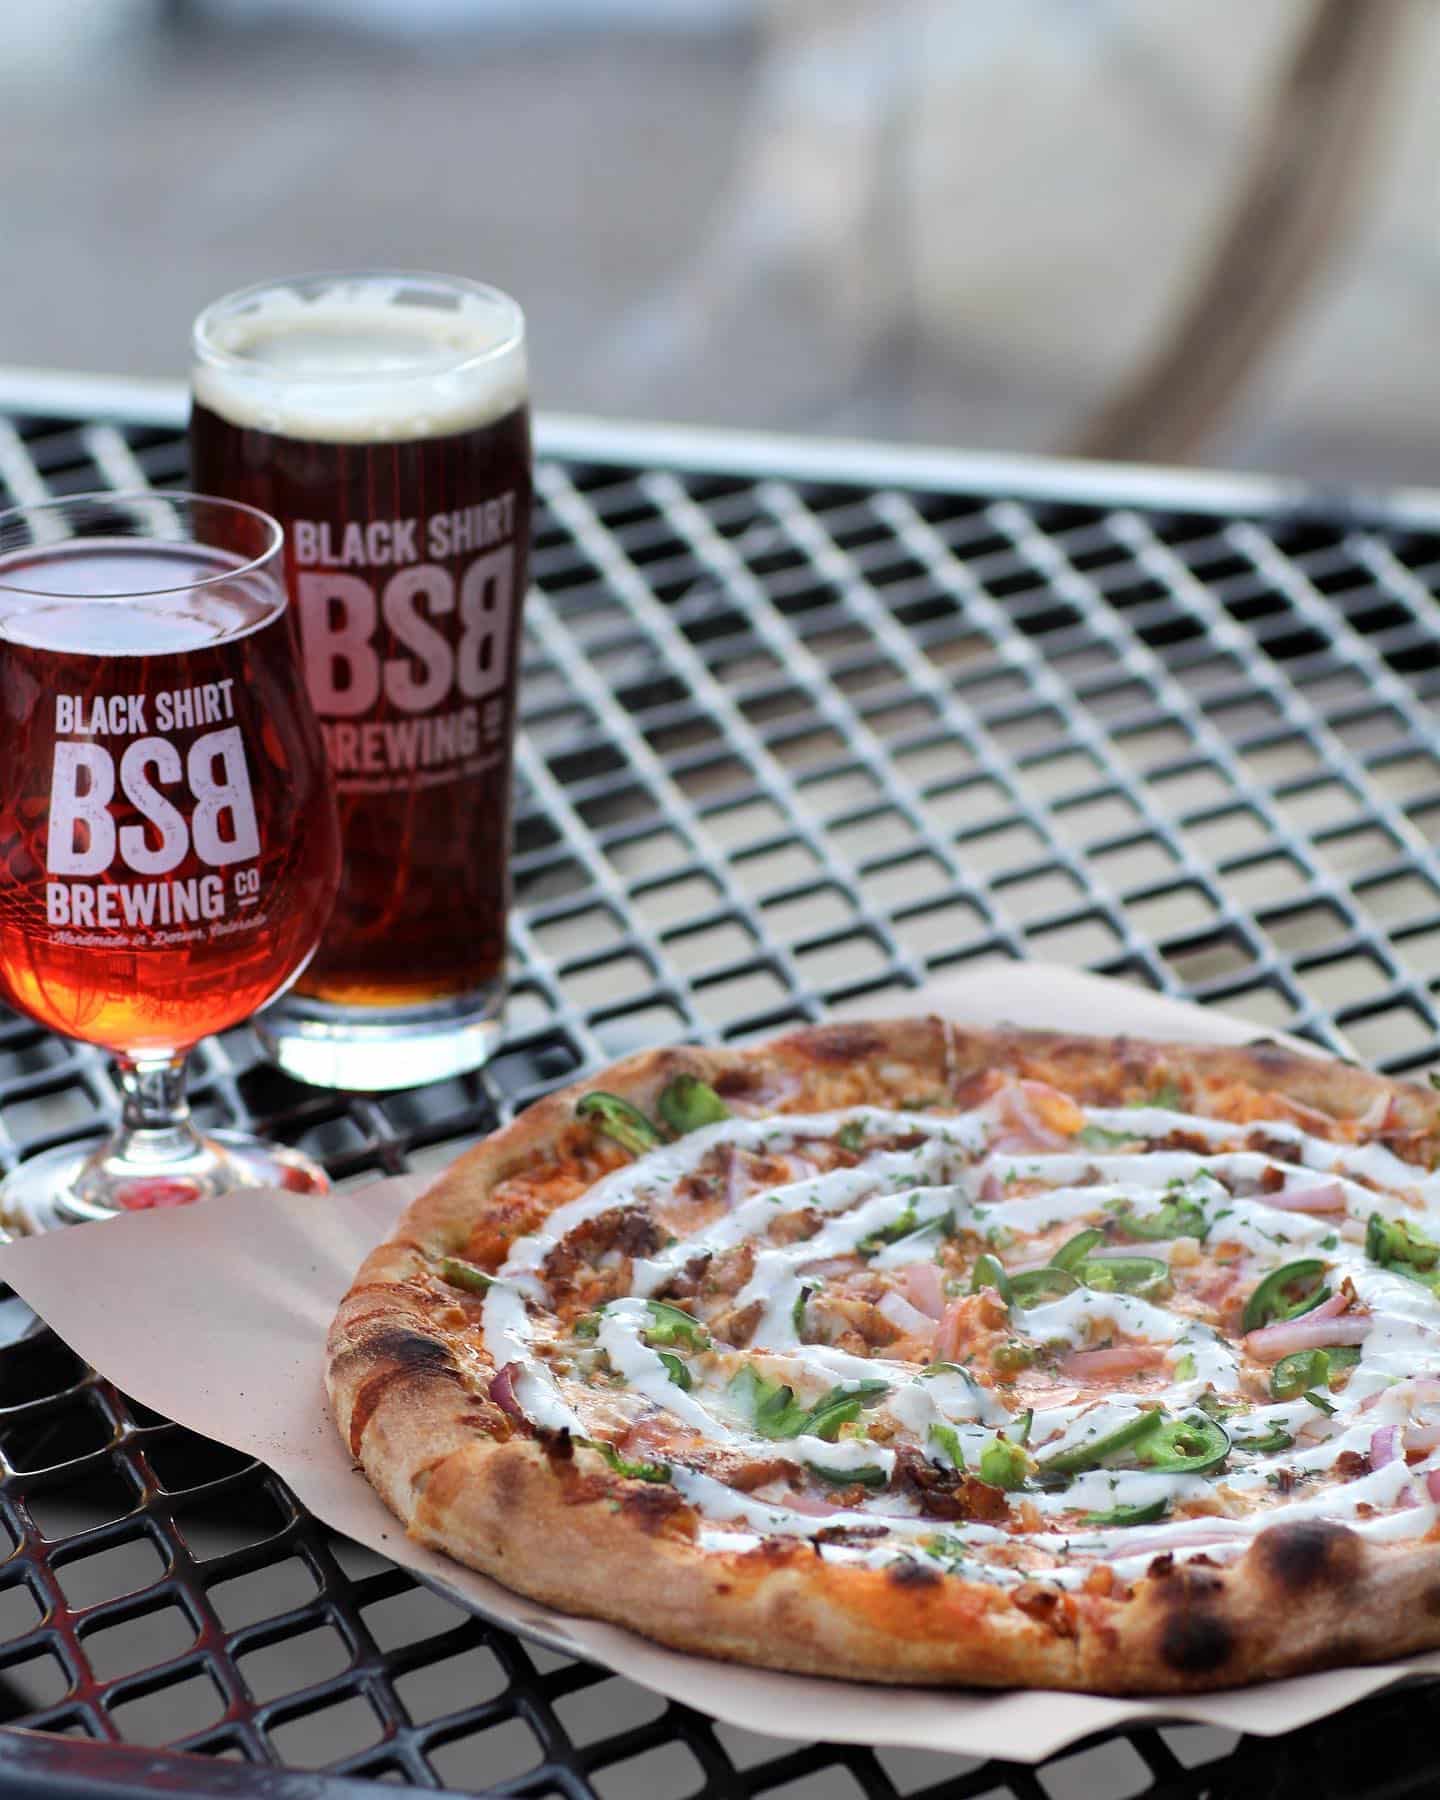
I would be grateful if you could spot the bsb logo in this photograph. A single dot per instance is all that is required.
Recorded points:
(409, 670)
(197, 803)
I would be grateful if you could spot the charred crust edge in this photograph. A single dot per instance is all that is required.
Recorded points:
(1304, 1552)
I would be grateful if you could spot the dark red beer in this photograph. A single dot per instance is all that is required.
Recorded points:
(168, 853)
(395, 450)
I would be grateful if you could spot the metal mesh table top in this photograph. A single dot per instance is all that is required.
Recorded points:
(799, 724)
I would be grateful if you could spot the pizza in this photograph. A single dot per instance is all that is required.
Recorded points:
(910, 1353)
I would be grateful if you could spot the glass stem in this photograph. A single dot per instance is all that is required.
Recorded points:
(155, 1122)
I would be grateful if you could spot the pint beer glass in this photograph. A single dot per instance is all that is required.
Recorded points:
(168, 844)
(384, 420)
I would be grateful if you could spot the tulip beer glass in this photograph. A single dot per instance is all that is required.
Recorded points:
(384, 420)
(168, 844)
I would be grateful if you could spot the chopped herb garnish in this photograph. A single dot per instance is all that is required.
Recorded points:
(851, 1134)
(899, 1227)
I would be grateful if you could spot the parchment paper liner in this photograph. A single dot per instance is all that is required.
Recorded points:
(215, 1315)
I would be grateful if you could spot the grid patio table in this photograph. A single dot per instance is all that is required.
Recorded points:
(801, 722)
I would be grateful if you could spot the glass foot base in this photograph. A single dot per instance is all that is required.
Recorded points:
(41, 1194)
(373, 1048)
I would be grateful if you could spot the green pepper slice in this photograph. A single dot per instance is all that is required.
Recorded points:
(1286, 1293)
(461, 1274)
(841, 1406)
(1190, 1446)
(676, 1370)
(948, 1438)
(620, 1120)
(802, 1300)
(1032, 1287)
(1095, 1451)
(1147, 1514)
(1004, 1465)
(869, 1475)
(1147, 1277)
(1277, 1438)
(687, 1103)
(770, 1404)
(1176, 1218)
(1011, 1357)
(1391, 1241)
(989, 1272)
(1096, 1137)
(634, 1471)
(1074, 1250)
(1298, 1373)
(673, 1325)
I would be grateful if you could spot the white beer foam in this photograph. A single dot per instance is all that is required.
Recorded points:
(361, 361)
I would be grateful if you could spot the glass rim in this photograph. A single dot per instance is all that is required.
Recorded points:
(108, 497)
(215, 356)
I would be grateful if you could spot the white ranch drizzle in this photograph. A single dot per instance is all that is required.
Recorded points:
(939, 1180)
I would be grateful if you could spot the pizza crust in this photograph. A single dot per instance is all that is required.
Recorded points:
(409, 1389)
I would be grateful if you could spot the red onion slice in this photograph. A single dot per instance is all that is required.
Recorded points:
(1127, 1359)
(502, 1390)
(1272, 1342)
(1432, 1484)
(1327, 1197)
(898, 1310)
(1384, 1446)
(923, 1287)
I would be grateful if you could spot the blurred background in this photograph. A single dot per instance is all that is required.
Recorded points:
(1203, 231)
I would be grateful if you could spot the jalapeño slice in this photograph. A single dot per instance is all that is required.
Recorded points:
(456, 1272)
(1190, 1446)
(1147, 1514)
(620, 1120)
(1286, 1293)
(1147, 1277)
(687, 1103)
(990, 1272)
(1031, 1287)
(1095, 1451)
(1178, 1217)
(673, 1325)
(1074, 1250)
(1305, 1370)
